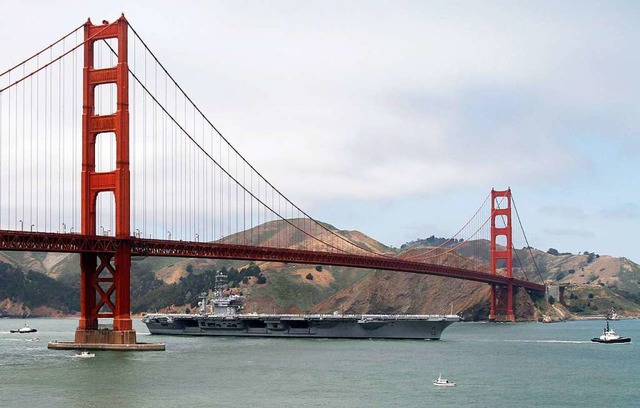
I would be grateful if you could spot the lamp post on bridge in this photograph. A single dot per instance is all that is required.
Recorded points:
(21, 225)
(197, 237)
(64, 228)
(169, 235)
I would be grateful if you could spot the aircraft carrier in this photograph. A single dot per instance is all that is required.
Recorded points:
(222, 316)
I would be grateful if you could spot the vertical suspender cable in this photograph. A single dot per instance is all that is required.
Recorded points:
(45, 163)
(144, 153)
(8, 162)
(132, 133)
(2, 172)
(156, 162)
(39, 144)
(51, 85)
(74, 108)
(63, 139)
(229, 194)
(183, 172)
(221, 182)
(24, 114)
(60, 147)
(165, 156)
(175, 161)
(192, 183)
(9, 151)
(237, 229)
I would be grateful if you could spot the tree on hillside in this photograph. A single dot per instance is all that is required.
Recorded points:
(35, 289)
(143, 280)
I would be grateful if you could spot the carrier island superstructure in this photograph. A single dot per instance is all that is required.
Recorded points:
(222, 316)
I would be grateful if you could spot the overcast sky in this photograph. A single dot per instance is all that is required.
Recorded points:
(396, 118)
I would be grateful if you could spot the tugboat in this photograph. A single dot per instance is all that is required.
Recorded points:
(443, 382)
(609, 336)
(24, 329)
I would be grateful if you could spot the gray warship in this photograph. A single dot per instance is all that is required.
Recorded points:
(222, 316)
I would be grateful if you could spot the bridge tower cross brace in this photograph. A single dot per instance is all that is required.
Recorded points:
(105, 277)
(501, 212)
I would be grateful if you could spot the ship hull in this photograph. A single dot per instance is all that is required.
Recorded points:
(302, 326)
(614, 341)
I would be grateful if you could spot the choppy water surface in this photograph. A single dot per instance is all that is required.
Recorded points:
(495, 365)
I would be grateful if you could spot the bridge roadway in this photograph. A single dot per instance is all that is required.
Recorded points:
(79, 243)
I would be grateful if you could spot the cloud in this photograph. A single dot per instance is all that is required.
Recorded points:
(560, 211)
(411, 142)
(360, 111)
(570, 232)
(626, 211)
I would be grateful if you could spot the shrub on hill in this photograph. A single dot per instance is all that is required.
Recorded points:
(35, 289)
(431, 242)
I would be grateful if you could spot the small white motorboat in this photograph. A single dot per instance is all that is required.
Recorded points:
(84, 354)
(443, 382)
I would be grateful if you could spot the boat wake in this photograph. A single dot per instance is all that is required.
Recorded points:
(550, 341)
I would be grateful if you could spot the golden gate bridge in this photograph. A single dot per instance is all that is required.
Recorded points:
(103, 154)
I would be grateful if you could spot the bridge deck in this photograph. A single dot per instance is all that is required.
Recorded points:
(78, 243)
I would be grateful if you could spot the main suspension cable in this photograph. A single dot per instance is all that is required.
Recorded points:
(527, 241)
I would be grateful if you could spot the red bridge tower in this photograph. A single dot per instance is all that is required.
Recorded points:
(104, 291)
(501, 211)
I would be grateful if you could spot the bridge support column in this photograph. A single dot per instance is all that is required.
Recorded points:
(492, 307)
(122, 280)
(88, 319)
(510, 315)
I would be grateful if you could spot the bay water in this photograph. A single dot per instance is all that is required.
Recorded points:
(493, 364)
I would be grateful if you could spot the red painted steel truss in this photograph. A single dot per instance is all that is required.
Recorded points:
(78, 243)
